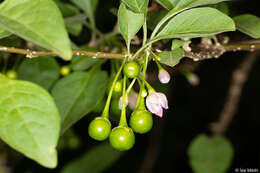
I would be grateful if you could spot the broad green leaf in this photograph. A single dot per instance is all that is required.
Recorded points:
(67, 11)
(97, 160)
(39, 21)
(29, 120)
(83, 90)
(74, 28)
(171, 58)
(43, 71)
(81, 63)
(248, 24)
(194, 3)
(177, 44)
(182, 5)
(138, 6)
(197, 22)
(154, 17)
(129, 23)
(88, 6)
(222, 6)
(4, 33)
(210, 154)
(168, 4)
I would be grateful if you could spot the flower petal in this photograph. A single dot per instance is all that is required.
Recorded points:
(163, 100)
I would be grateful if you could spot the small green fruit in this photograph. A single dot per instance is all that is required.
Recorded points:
(122, 138)
(65, 70)
(132, 69)
(99, 128)
(118, 87)
(141, 121)
(11, 74)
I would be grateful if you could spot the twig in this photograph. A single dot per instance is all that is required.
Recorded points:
(33, 54)
(201, 52)
(239, 78)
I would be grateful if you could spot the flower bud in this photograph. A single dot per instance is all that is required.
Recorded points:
(193, 79)
(164, 76)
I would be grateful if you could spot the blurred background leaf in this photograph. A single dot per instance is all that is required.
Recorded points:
(98, 159)
(43, 71)
(210, 154)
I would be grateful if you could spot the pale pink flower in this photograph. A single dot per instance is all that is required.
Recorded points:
(120, 103)
(193, 79)
(132, 99)
(155, 103)
(164, 76)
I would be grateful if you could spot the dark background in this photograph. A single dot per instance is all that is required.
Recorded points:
(191, 111)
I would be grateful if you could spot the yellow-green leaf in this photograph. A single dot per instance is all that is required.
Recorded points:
(39, 21)
(29, 120)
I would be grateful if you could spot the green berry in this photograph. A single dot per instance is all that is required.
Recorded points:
(122, 138)
(132, 69)
(141, 121)
(11, 74)
(118, 86)
(99, 128)
(65, 70)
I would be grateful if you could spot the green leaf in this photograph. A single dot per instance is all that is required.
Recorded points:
(67, 11)
(88, 6)
(177, 44)
(171, 58)
(81, 63)
(197, 22)
(154, 17)
(74, 28)
(194, 3)
(97, 160)
(223, 7)
(37, 21)
(168, 4)
(43, 71)
(210, 154)
(248, 24)
(83, 90)
(129, 23)
(4, 33)
(29, 120)
(138, 6)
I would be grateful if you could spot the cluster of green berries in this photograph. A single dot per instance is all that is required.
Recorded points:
(122, 137)
(64, 71)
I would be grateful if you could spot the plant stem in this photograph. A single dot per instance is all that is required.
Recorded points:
(130, 86)
(144, 32)
(140, 100)
(123, 121)
(240, 46)
(35, 54)
(149, 87)
(106, 109)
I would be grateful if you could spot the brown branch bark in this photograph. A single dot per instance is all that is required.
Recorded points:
(239, 78)
(33, 54)
(199, 53)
